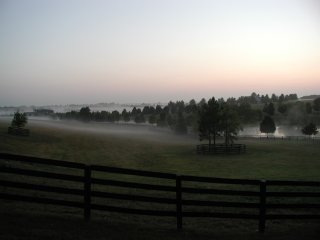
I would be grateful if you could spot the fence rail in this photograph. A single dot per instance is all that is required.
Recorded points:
(179, 188)
(221, 148)
(309, 139)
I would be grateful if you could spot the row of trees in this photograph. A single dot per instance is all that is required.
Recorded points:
(178, 116)
(255, 98)
(175, 115)
(183, 117)
(268, 125)
(219, 118)
(282, 108)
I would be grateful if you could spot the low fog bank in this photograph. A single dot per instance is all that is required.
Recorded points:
(281, 131)
(140, 131)
(125, 130)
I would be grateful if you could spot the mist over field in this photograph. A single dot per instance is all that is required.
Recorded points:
(281, 131)
(143, 131)
(130, 131)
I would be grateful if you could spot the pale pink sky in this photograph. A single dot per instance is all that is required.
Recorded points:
(60, 52)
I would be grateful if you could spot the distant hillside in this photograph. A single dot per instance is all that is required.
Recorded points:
(310, 97)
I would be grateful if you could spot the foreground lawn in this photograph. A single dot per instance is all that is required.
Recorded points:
(39, 226)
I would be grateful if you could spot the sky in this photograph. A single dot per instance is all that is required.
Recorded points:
(134, 51)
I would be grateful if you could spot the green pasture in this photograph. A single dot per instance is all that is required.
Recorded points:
(263, 160)
(162, 152)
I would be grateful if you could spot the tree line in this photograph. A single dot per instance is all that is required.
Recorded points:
(184, 117)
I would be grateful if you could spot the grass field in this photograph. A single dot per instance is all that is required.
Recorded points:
(161, 151)
(140, 148)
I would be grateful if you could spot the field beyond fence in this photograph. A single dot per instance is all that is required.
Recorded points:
(178, 196)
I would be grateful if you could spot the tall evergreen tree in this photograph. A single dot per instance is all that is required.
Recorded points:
(267, 125)
(19, 120)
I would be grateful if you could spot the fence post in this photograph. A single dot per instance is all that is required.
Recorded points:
(262, 210)
(179, 202)
(87, 192)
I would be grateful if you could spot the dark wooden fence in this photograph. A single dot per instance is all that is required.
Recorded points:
(221, 148)
(89, 176)
(303, 139)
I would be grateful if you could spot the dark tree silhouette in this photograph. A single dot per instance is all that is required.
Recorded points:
(135, 111)
(125, 115)
(209, 120)
(292, 96)
(158, 109)
(140, 118)
(269, 109)
(267, 125)
(308, 108)
(152, 119)
(181, 126)
(316, 104)
(310, 129)
(229, 122)
(281, 98)
(115, 116)
(17, 125)
(171, 121)
(85, 114)
(191, 107)
(19, 120)
(274, 98)
(247, 114)
(282, 108)
(202, 102)
(161, 122)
